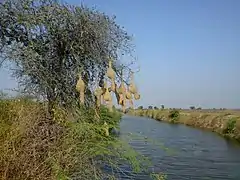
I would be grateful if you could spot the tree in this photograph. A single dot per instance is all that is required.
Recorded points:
(155, 107)
(192, 107)
(150, 107)
(162, 106)
(140, 107)
(50, 43)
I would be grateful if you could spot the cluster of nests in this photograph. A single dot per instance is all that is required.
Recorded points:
(102, 94)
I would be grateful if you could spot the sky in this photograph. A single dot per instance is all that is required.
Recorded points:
(188, 51)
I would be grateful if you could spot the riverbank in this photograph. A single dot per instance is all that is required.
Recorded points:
(223, 122)
(35, 146)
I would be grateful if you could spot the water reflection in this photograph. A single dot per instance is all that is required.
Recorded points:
(179, 151)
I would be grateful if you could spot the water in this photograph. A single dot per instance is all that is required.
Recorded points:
(195, 154)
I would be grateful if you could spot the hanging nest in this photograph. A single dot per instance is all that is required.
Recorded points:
(128, 95)
(120, 99)
(113, 86)
(122, 89)
(110, 71)
(80, 86)
(124, 95)
(136, 96)
(98, 93)
(106, 95)
(132, 86)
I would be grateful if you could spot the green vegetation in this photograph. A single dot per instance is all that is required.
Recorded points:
(231, 124)
(34, 146)
(174, 116)
(51, 43)
(224, 122)
(47, 133)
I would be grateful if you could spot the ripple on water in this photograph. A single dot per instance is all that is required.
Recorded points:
(197, 154)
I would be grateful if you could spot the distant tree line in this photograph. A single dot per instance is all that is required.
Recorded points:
(152, 107)
(163, 107)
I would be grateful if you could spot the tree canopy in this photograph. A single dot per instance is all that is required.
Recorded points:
(50, 43)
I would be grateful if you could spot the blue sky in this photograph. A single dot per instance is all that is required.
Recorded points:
(188, 50)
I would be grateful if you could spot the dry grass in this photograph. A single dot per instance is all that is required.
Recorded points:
(26, 138)
(35, 147)
(70, 146)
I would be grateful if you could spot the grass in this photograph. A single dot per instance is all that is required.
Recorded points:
(69, 146)
(35, 147)
(224, 122)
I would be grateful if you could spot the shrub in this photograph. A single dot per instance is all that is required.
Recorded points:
(111, 118)
(230, 126)
(174, 116)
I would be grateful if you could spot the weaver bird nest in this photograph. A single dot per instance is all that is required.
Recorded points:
(124, 93)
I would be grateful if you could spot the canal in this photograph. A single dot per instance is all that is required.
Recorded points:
(181, 152)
